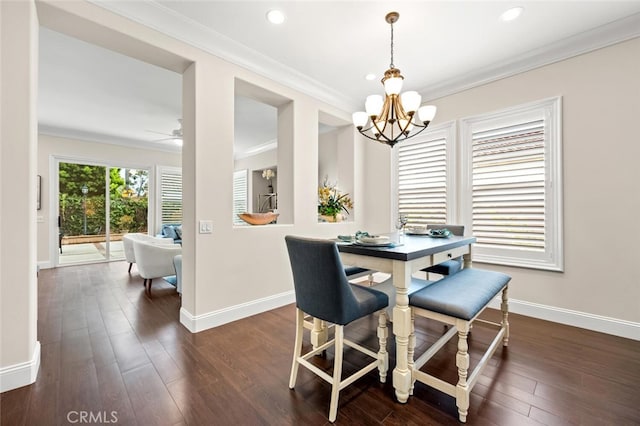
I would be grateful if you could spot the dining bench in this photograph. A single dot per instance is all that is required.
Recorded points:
(458, 300)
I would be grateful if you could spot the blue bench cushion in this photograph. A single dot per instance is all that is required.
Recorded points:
(354, 270)
(462, 295)
(448, 267)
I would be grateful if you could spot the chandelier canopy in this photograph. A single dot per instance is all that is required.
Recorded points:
(393, 119)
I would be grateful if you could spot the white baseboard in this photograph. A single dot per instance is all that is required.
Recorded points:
(22, 374)
(602, 324)
(45, 265)
(223, 316)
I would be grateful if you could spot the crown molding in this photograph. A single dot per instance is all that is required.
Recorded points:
(588, 41)
(68, 133)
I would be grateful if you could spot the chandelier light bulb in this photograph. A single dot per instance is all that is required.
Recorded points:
(410, 101)
(406, 125)
(393, 86)
(426, 113)
(373, 105)
(360, 119)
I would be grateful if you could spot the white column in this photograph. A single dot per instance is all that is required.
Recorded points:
(19, 348)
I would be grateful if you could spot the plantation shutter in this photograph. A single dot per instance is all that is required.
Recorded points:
(508, 189)
(239, 195)
(171, 196)
(422, 180)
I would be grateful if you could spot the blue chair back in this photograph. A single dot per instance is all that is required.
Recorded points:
(321, 286)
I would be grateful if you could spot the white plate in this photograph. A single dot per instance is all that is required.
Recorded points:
(374, 239)
(387, 244)
(417, 231)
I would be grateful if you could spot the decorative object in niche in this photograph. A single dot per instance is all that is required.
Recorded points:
(259, 218)
(268, 174)
(332, 202)
(336, 218)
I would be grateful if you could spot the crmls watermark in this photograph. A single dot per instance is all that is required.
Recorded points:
(101, 417)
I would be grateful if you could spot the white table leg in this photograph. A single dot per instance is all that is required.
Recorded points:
(402, 329)
(466, 259)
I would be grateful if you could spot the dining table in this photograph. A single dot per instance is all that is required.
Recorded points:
(402, 259)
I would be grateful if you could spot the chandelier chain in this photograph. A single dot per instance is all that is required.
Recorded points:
(391, 65)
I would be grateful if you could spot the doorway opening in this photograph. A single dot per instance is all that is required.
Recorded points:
(97, 205)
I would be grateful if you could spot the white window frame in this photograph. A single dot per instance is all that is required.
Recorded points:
(552, 257)
(445, 131)
(244, 173)
(160, 171)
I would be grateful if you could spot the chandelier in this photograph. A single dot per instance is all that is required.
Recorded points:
(393, 119)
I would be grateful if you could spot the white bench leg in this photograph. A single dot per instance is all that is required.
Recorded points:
(411, 350)
(383, 355)
(505, 316)
(462, 362)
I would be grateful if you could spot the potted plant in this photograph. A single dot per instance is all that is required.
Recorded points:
(332, 202)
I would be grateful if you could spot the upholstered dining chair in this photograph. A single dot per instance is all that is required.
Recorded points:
(127, 244)
(323, 291)
(155, 260)
(451, 266)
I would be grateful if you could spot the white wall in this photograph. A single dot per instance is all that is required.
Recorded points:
(19, 348)
(601, 100)
(113, 155)
(328, 157)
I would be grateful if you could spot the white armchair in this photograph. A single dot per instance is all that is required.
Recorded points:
(127, 244)
(155, 260)
(177, 263)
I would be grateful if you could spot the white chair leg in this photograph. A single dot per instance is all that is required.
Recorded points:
(297, 349)
(337, 372)
(383, 355)
(462, 362)
(505, 316)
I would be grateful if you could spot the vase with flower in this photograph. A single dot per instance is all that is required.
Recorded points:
(269, 174)
(332, 203)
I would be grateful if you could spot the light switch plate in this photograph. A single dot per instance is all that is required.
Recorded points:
(206, 227)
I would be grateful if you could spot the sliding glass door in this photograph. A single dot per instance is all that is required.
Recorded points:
(97, 205)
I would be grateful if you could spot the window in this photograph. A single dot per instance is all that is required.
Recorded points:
(425, 177)
(511, 168)
(170, 195)
(239, 195)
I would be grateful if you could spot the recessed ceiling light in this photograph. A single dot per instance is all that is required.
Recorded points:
(370, 77)
(512, 14)
(275, 17)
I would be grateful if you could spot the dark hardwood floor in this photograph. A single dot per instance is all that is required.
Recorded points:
(111, 353)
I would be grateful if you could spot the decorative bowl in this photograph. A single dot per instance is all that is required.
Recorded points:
(258, 218)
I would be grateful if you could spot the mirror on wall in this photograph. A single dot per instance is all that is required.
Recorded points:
(262, 150)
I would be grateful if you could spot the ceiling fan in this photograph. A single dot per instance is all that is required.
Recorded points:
(175, 135)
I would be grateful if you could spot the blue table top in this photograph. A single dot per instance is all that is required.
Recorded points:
(413, 247)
